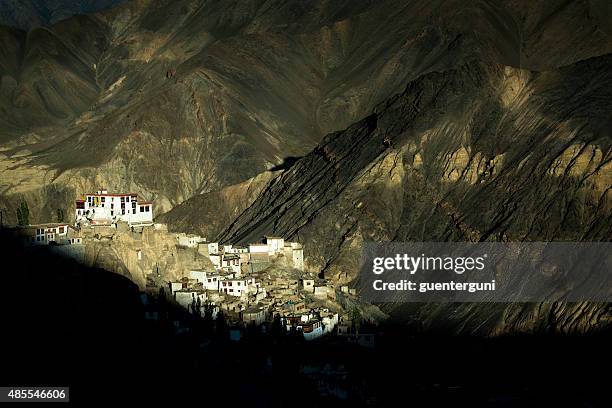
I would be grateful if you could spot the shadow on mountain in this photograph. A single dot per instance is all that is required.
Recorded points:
(287, 163)
(67, 324)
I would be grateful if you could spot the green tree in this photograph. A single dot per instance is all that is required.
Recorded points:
(23, 214)
(60, 215)
(221, 326)
(277, 330)
(356, 318)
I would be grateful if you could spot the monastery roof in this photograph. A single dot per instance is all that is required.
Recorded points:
(138, 197)
(112, 194)
(48, 225)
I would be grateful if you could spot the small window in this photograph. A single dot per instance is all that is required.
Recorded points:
(133, 211)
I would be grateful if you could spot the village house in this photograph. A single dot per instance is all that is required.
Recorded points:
(238, 286)
(294, 252)
(49, 233)
(212, 281)
(329, 320)
(307, 323)
(189, 240)
(174, 286)
(185, 297)
(307, 285)
(231, 249)
(104, 208)
(261, 254)
(213, 248)
(324, 292)
(231, 263)
(275, 245)
(312, 329)
(226, 262)
(209, 280)
(254, 315)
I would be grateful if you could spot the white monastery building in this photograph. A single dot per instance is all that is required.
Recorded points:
(104, 208)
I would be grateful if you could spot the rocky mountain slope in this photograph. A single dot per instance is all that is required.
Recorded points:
(26, 14)
(479, 152)
(421, 120)
(474, 153)
(162, 87)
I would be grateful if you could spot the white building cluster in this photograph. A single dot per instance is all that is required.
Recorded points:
(252, 284)
(241, 286)
(50, 233)
(60, 238)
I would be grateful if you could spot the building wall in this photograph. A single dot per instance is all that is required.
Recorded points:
(186, 298)
(200, 276)
(316, 333)
(106, 208)
(189, 241)
(298, 258)
(308, 285)
(213, 248)
(275, 245)
(216, 260)
(174, 286)
(259, 249)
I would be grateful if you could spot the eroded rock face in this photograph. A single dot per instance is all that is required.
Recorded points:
(137, 255)
(28, 14)
(205, 95)
(211, 213)
(451, 158)
(454, 121)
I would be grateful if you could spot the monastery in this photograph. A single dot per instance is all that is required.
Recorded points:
(104, 208)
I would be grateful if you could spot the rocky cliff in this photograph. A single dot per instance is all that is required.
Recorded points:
(34, 13)
(423, 120)
(208, 94)
(150, 254)
(479, 152)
